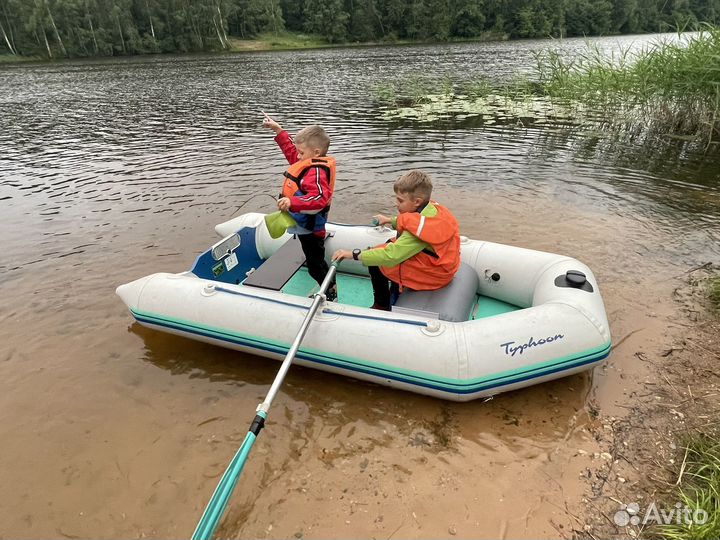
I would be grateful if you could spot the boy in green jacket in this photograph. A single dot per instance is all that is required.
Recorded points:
(425, 255)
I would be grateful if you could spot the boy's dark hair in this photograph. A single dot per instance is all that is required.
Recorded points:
(416, 184)
(314, 137)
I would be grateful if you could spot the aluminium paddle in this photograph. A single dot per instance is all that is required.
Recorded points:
(220, 498)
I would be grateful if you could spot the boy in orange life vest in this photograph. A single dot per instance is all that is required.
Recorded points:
(307, 191)
(425, 255)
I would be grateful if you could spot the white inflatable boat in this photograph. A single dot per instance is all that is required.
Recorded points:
(511, 318)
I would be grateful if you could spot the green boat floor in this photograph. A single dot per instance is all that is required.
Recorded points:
(352, 290)
(357, 291)
(489, 307)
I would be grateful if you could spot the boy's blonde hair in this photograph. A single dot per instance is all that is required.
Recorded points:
(416, 184)
(314, 137)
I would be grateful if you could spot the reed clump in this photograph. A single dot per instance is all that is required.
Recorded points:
(671, 87)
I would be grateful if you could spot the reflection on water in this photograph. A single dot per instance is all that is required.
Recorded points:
(182, 356)
(340, 400)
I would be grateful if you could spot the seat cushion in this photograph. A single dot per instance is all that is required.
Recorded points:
(276, 271)
(452, 303)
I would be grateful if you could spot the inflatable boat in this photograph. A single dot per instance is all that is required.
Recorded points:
(511, 318)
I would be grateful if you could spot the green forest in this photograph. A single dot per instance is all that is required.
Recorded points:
(81, 28)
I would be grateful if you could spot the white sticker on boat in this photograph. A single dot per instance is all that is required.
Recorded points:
(231, 262)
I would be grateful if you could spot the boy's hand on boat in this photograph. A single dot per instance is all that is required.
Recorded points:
(380, 219)
(284, 204)
(341, 254)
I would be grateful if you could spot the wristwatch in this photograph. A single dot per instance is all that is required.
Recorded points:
(356, 253)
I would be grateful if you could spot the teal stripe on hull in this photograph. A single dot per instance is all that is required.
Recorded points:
(415, 378)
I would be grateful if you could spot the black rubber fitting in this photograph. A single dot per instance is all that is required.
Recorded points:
(257, 424)
(575, 278)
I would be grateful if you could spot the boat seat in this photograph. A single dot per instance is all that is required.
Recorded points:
(277, 270)
(453, 302)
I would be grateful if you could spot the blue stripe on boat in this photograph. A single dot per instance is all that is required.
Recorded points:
(458, 387)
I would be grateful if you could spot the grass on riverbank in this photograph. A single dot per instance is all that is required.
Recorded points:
(12, 59)
(699, 474)
(699, 492)
(714, 295)
(280, 41)
(270, 41)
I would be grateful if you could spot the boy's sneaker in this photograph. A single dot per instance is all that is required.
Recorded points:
(381, 308)
(331, 294)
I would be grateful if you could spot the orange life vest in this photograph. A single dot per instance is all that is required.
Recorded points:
(427, 270)
(293, 176)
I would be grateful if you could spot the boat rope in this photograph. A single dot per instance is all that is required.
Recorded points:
(250, 199)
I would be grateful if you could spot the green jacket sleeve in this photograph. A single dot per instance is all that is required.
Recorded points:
(392, 254)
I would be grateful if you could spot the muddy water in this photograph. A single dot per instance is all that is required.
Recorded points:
(110, 170)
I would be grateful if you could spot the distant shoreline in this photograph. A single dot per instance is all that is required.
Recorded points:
(289, 41)
(286, 41)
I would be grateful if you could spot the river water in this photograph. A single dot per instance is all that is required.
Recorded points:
(114, 169)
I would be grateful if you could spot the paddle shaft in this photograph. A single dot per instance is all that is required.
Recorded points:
(317, 299)
(220, 498)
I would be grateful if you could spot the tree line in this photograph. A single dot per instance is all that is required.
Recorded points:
(79, 28)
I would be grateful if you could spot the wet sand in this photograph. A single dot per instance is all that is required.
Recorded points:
(112, 430)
